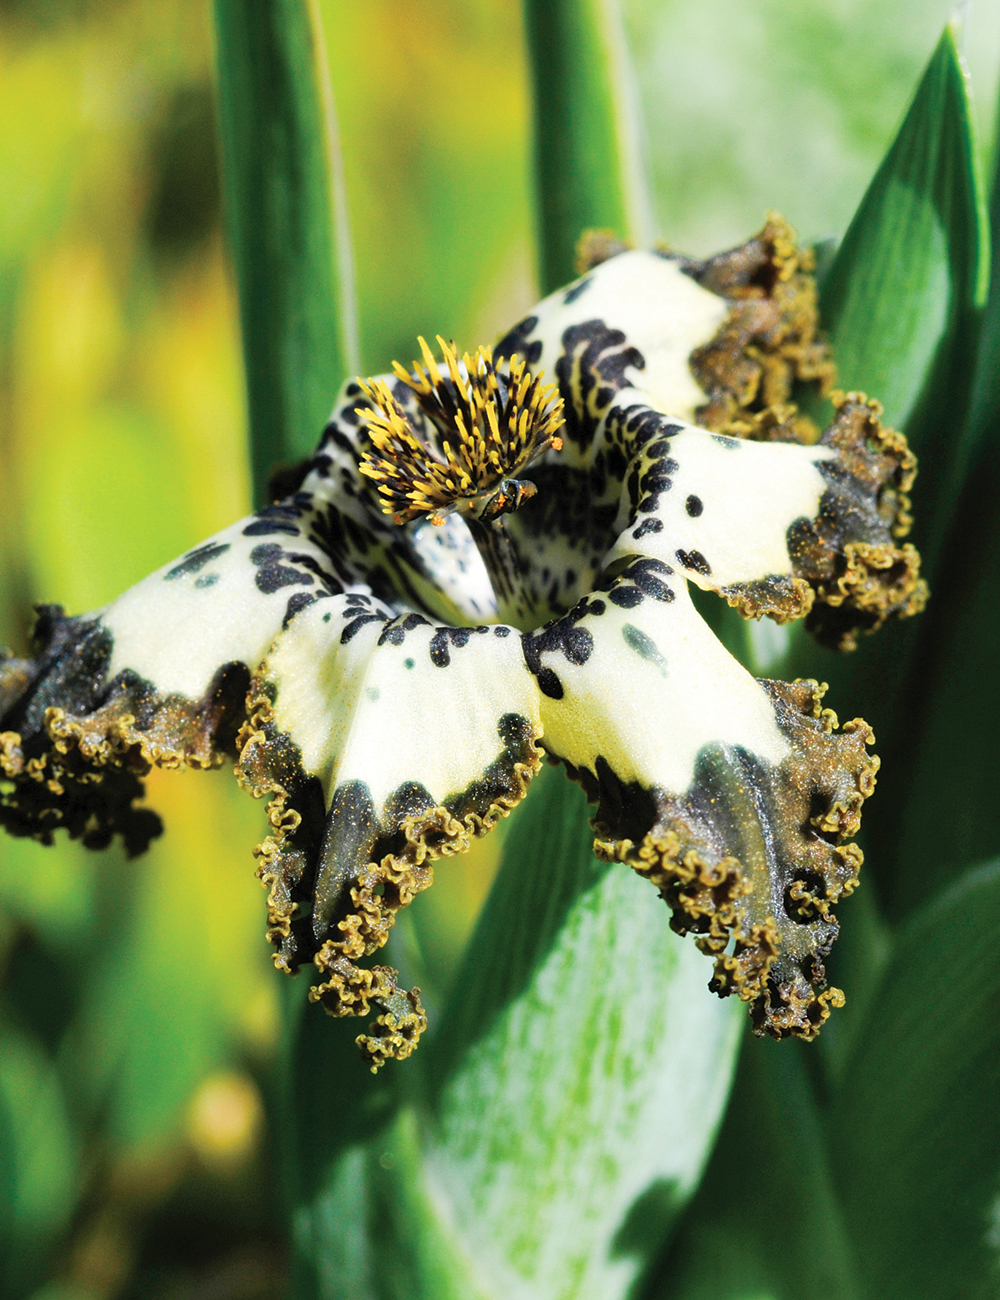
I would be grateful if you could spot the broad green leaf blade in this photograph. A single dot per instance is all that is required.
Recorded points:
(580, 1078)
(364, 1224)
(287, 217)
(588, 173)
(915, 1128)
(765, 1223)
(950, 788)
(903, 298)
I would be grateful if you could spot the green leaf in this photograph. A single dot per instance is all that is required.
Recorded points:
(287, 215)
(38, 1162)
(915, 1129)
(950, 787)
(579, 1080)
(765, 1224)
(903, 299)
(587, 169)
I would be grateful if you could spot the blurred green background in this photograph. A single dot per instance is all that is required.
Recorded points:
(139, 1014)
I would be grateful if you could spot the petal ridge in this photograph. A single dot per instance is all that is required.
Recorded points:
(768, 935)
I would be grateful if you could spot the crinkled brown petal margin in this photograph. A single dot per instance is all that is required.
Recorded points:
(270, 766)
(764, 914)
(769, 342)
(849, 573)
(73, 748)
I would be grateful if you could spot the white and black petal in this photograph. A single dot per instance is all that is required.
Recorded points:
(386, 741)
(387, 680)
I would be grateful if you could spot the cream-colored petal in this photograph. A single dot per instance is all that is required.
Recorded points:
(400, 701)
(634, 678)
(776, 528)
(222, 602)
(718, 508)
(158, 677)
(733, 796)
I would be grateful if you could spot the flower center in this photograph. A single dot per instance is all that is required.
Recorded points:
(487, 425)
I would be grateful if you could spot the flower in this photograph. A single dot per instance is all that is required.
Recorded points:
(476, 569)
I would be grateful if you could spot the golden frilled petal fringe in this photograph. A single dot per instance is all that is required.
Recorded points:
(372, 891)
(848, 572)
(764, 910)
(769, 342)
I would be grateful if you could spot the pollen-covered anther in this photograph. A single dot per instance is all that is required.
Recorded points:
(488, 423)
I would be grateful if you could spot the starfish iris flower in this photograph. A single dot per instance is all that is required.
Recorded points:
(487, 561)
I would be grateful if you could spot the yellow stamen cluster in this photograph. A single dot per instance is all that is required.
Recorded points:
(490, 424)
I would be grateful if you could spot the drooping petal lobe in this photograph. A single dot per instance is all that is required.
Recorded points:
(158, 677)
(776, 528)
(386, 741)
(736, 798)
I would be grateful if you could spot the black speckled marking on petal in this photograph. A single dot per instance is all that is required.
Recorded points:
(564, 634)
(196, 560)
(590, 371)
(648, 526)
(648, 575)
(299, 600)
(271, 574)
(644, 646)
(549, 683)
(354, 627)
(443, 639)
(625, 597)
(577, 290)
(660, 449)
(515, 343)
(269, 527)
(695, 561)
(694, 506)
(392, 634)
